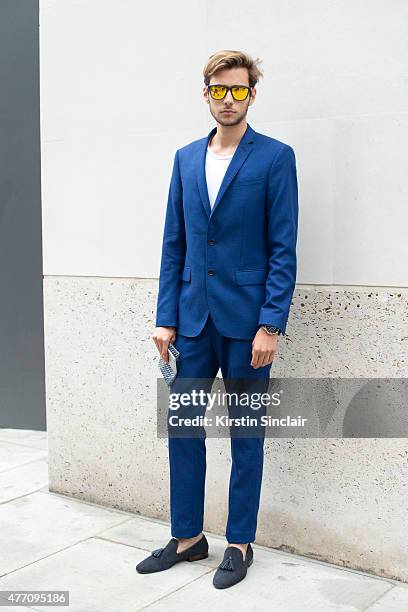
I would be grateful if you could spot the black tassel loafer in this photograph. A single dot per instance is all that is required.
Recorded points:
(233, 568)
(164, 558)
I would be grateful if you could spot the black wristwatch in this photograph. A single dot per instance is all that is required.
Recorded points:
(271, 329)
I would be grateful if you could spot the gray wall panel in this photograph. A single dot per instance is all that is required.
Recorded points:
(22, 387)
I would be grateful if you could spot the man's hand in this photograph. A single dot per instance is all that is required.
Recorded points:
(264, 347)
(162, 337)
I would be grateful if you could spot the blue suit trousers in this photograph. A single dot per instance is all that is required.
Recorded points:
(200, 358)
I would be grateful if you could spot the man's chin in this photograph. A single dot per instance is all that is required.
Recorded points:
(231, 120)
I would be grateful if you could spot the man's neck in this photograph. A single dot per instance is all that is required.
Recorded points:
(227, 138)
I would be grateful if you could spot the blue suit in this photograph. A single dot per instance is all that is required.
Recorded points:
(223, 272)
(238, 260)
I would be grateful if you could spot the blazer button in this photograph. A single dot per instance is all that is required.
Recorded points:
(211, 241)
(211, 272)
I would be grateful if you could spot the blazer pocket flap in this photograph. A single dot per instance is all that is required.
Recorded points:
(186, 276)
(251, 277)
(248, 181)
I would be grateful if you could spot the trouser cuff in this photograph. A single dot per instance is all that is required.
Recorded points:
(240, 537)
(183, 532)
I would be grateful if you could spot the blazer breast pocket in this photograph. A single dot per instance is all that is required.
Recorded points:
(256, 180)
(251, 277)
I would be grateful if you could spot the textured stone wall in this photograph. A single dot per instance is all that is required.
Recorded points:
(340, 500)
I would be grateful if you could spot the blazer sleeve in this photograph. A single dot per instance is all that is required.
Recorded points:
(282, 227)
(173, 253)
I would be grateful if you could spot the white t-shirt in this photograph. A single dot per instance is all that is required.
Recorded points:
(215, 168)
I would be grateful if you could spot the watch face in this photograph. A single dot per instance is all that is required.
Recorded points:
(271, 329)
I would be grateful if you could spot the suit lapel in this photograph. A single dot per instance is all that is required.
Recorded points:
(201, 180)
(241, 153)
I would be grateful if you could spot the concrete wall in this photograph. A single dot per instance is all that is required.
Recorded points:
(335, 89)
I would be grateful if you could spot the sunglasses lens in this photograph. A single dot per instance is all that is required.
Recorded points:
(240, 93)
(217, 92)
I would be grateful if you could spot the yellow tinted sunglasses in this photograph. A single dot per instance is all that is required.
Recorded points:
(238, 92)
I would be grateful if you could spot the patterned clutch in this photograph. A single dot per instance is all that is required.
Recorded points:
(169, 370)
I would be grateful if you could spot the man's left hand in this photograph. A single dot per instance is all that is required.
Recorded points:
(264, 347)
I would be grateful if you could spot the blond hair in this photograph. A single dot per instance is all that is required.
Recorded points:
(226, 59)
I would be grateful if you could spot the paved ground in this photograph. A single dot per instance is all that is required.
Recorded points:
(50, 541)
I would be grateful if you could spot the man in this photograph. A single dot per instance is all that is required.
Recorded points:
(228, 271)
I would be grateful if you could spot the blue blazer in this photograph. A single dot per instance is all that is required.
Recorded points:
(238, 260)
